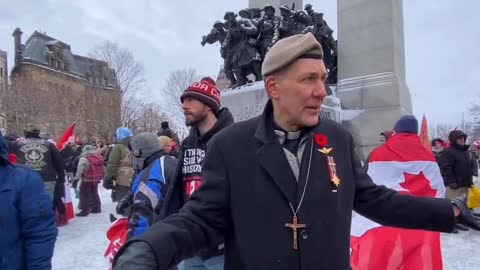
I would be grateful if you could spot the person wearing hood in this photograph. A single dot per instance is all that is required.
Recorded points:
(156, 171)
(456, 165)
(119, 167)
(90, 172)
(28, 231)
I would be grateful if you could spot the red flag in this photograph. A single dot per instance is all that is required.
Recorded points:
(403, 164)
(117, 234)
(425, 134)
(64, 139)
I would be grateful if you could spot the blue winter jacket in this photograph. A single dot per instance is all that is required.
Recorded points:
(27, 220)
(148, 193)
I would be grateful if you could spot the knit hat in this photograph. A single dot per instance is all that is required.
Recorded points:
(123, 133)
(406, 124)
(143, 146)
(206, 92)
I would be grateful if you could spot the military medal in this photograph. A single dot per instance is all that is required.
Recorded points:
(322, 141)
(332, 168)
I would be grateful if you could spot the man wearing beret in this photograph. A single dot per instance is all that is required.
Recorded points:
(279, 189)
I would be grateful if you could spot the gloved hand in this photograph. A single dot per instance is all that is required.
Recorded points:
(135, 255)
(108, 184)
(124, 204)
(466, 217)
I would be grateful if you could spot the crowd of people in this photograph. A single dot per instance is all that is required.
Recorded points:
(251, 195)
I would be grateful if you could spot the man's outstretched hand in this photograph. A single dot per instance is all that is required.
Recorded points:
(463, 214)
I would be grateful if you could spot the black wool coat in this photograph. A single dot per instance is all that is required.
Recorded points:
(244, 202)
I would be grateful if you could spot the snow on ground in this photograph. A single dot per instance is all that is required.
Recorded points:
(82, 243)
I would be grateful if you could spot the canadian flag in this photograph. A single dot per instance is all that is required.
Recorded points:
(405, 165)
(69, 202)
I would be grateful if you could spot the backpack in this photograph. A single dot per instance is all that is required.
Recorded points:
(96, 170)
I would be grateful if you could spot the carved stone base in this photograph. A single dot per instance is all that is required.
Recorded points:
(378, 101)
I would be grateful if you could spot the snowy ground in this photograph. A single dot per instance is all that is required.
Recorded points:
(82, 243)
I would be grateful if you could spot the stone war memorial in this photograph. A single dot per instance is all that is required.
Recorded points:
(366, 87)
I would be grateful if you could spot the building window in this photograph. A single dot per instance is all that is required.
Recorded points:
(1, 72)
(105, 80)
(52, 62)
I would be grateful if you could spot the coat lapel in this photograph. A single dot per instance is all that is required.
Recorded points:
(273, 160)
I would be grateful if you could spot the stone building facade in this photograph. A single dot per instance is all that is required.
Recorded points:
(3, 87)
(53, 87)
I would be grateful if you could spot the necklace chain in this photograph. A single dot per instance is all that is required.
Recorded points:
(306, 184)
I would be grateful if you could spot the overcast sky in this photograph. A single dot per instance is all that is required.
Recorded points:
(442, 38)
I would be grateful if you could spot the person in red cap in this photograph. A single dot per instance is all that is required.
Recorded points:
(203, 113)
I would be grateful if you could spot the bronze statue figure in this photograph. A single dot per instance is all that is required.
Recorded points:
(240, 45)
(246, 40)
(218, 34)
(269, 30)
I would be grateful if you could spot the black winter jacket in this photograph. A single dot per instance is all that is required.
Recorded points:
(455, 162)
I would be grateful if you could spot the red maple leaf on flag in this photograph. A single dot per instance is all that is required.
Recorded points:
(418, 185)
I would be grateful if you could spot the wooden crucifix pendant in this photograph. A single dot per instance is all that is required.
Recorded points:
(295, 226)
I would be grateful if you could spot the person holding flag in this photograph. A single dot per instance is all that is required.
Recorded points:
(404, 164)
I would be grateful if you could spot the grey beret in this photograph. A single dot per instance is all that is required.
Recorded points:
(288, 50)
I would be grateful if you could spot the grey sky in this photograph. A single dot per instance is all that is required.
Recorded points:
(441, 39)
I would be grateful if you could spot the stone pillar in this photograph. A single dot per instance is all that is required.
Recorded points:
(371, 68)
(275, 3)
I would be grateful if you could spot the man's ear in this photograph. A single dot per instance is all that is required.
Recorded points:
(271, 87)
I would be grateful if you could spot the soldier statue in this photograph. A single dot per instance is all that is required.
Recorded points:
(312, 13)
(288, 26)
(323, 34)
(246, 40)
(218, 34)
(269, 30)
(245, 14)
(256, 13)
(309, 9)
(302, 20)
(240, 45)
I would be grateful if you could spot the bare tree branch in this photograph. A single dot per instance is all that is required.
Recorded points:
(130, 77)
(130, 73)
(176, 84)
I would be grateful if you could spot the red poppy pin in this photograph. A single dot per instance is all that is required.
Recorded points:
(322, 141)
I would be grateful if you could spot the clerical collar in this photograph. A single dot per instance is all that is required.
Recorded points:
(284, 135)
